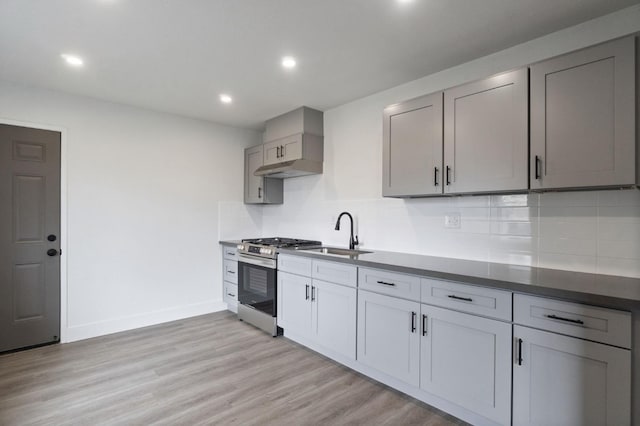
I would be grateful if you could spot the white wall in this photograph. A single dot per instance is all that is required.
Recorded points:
(143, 195)
(586, 231)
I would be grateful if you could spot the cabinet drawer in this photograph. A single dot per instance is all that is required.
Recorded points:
(467, 298)
(584, 321)
(391, 283)
(231, 271)
(294, 265)
(335, 272)
(230, 253)
(230, 293)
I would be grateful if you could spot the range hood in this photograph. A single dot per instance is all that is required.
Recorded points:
(287, 169)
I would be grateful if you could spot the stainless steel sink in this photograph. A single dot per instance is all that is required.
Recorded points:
(336, 251)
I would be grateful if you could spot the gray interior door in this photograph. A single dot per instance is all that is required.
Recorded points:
(29, 237)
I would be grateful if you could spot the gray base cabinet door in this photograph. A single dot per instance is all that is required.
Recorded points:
(388, 338)
(258, 189)
(486, 135)
(466, 359)
(334, 317)
(583, 118)
(412, 148)
(294, 303)
(560, 380)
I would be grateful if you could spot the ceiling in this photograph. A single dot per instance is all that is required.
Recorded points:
(177, 56)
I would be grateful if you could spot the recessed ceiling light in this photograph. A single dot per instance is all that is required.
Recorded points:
(73, 60)
(225, 99)
(288, 62)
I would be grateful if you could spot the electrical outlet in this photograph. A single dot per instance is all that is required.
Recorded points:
(452, 220)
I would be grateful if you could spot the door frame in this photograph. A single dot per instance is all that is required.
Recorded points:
(63, 214)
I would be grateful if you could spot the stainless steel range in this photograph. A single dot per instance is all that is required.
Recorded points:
(257, 278)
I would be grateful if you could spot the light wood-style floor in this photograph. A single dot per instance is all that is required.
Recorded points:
(211, 369)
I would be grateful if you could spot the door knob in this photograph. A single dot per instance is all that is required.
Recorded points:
(51, 237)
(52, 252)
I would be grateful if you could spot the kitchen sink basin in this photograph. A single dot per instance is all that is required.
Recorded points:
(336, 251)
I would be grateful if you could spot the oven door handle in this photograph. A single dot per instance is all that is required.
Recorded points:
(267, 263)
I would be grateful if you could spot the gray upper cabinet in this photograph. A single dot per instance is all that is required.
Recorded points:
(583, 118)
(293, 144)
(412, 149)
(258, 189)
(293, 147)
(486, 135)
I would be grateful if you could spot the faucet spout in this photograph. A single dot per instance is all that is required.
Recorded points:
(353, 241)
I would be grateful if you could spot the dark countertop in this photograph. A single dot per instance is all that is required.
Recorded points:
(603, 290)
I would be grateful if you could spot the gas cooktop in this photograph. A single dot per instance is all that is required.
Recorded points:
(279, 242)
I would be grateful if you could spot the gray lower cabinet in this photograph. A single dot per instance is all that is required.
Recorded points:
(466, 359)
(258, 189)
(334, 317)
(294, 303)
(318, 312)
(567, 370)
(412, 148)
(486, 135)
(561, 380)
(230, 278)
(388, 336)
(583, 118)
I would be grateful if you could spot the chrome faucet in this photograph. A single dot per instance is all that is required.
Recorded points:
(353, 241)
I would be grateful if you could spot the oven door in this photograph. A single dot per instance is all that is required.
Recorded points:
(257, 283)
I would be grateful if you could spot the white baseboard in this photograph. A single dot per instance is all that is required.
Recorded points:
(87, 331)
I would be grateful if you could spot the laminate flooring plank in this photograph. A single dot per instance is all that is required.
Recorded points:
(206, 370)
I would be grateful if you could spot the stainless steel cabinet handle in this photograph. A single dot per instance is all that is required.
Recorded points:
(232, 295)
(537, 167)
(281, 151)
(277, 152)
(259, 192)
(385, 283)
(448, 173)
(313, 293)
(306, 292)
(435, 176)
(424, 324)
(413, 322)
(231, 272)
(573, 321)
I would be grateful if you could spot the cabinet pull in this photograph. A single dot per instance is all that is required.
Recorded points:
(413, 322)
(573, 321)
(281, 151)
(424, 324)
(386, 283)
(313, 293)
(277, 152)
(537, 166)
(306, 292)
(448, 175)
(232, 295)
(231, 272)
(435, 176)
(466, 299)
(259, 192)
(519, 351)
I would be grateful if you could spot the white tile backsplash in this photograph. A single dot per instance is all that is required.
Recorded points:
(597, 231)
